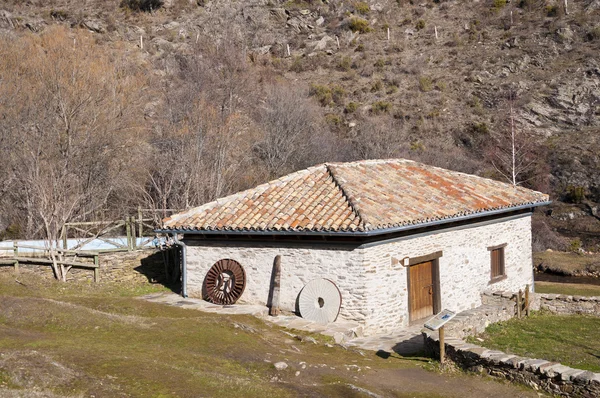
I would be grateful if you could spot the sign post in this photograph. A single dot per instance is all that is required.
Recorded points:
(437, 323)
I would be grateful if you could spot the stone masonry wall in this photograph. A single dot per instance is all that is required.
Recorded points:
(300, 264)
(562, 304)
(465, 267)
(374, 287)
(539, 374)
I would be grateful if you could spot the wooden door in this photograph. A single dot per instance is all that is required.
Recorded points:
(421, 291)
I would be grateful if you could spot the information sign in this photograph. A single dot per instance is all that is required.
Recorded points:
(440, 319)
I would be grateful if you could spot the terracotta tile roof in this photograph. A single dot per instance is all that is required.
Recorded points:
(358, 196)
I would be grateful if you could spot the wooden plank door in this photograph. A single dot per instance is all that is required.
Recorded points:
(421, 290)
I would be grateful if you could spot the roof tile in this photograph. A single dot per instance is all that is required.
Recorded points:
(357, 196)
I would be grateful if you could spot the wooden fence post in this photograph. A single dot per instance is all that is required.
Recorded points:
(64, 237)
(442, 346)
(141, 223)
(527, 300)
(97, 269)
(16, 254)
(128, 231)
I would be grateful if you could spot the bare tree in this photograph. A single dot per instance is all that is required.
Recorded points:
(512, 154)
(74, 112)
(289, 121)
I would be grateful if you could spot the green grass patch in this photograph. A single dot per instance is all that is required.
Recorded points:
(571, 340)
(569, 289)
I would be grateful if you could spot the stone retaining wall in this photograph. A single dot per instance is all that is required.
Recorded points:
(137, 267)
(562, 304)
(537, 373)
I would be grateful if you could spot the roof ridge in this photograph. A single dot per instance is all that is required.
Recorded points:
(351, 202)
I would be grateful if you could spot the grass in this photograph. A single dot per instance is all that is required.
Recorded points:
(85, 339)
(566, 263)
(108, 343)
(571, 340)
(569, 289)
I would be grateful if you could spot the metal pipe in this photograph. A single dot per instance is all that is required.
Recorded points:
(376, 232)
(183, 264)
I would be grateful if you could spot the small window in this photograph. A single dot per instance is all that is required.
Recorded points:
(497, 258)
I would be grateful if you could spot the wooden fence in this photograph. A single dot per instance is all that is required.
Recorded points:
(17, 258)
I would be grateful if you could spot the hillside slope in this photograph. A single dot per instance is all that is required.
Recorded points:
(436, 81)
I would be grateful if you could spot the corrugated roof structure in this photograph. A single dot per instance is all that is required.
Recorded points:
(367, 195)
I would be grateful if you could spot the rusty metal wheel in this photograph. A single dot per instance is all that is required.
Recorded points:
(225, 282)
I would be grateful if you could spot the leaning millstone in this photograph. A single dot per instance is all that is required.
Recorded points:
(281, 365)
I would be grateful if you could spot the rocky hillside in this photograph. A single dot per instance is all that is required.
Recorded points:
(433, 80)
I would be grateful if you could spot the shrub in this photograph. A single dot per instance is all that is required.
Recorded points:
(593, 34)
(425, 83)
(420, 24)
(142, 5)
(381, 107)
(359, 25)
(345, 63)
(498, 4)
(351, 107)
(575, 194)
(575, 245)
(380, 63)
(338, 93)
(362, 7)
(321, 93)
(552, 11)
(377, 86)
(333, 119)
(59, 15)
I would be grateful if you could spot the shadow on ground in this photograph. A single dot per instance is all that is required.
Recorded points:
(162, 267)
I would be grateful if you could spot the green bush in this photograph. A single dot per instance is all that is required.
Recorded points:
(333, 119)
(344, 63)
(381, 107)
(337, 93)
(377, 86)
(425, 83)
(420, 24)
(575, 245)
(498, 4)
(351, 107)
(380, 63)
(361, 7)
(359, 25)
(321, 93)
(142, 5)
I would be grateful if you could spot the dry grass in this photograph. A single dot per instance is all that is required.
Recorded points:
(81, 339)
(566, 263)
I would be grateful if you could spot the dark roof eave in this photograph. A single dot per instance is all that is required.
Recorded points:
(375, 232)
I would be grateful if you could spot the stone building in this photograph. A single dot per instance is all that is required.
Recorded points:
(399, 240)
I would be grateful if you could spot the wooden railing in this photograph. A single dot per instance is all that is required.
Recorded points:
(17, 258)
